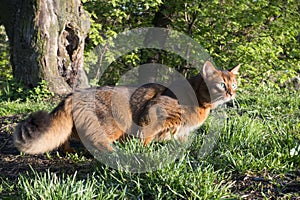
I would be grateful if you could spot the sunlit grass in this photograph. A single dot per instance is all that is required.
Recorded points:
(19, 107)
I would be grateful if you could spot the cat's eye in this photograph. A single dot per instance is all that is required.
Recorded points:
(234, 85)
(222, 85)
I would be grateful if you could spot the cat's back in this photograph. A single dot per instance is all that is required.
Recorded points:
(121, 103)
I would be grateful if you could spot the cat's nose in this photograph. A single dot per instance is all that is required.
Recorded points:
(229, 92)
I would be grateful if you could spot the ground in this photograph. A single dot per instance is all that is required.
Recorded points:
(246, 186)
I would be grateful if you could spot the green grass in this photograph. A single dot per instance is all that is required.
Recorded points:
(184, 181)
(22, 107)
(261, 138)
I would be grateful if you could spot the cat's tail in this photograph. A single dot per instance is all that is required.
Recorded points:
(42, 131)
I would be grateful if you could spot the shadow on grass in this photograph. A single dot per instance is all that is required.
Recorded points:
(13, 163)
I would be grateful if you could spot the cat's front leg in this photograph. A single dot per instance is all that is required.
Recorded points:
(161, 120)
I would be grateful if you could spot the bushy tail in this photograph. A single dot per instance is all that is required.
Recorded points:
(43, 131)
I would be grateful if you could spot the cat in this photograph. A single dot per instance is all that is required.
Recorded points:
(106, 114)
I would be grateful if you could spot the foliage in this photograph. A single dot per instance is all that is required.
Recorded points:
(5, 68)
(15, 91)
(261, 35)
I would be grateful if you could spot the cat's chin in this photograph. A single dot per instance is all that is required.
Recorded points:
(220, 102)
(217, 103)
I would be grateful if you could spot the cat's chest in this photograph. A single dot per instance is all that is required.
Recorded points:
(192, 120)
(184, 131)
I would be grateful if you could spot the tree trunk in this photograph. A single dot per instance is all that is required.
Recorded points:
(47, 41)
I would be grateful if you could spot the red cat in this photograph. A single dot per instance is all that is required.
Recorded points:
(152, 110)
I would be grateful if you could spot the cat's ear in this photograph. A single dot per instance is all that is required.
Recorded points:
(208, 69)
(235, 70)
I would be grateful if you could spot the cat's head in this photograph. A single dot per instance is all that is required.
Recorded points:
(222, 85)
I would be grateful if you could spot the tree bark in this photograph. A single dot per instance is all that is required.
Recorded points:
(46, 41)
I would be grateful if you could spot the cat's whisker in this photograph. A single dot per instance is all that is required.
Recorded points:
(236, 103)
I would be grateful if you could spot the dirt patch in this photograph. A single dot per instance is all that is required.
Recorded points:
(268, 186)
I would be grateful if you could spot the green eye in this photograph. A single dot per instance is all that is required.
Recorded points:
(234, 85)
(222, 85)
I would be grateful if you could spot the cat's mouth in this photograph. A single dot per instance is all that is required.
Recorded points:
(216, 99)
